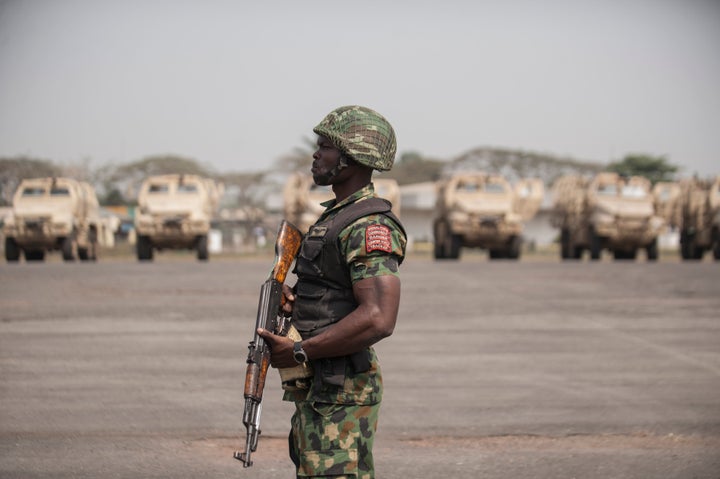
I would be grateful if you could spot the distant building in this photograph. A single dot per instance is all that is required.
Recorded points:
(417, 210)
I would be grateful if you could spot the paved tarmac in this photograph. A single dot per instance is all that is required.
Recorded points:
(530, 369)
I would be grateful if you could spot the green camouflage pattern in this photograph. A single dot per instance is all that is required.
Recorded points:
(357, 389)
(376, 263)
(352, 240)
(362, 134)
(333, 427)
(330, 440)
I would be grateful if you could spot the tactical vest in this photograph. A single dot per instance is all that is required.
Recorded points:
(323, 294)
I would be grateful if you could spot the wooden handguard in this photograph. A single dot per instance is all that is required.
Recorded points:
(286, 248)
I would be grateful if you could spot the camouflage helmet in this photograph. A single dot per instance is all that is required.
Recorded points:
(362, 134)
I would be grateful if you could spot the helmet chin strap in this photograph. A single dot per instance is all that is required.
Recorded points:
(341, 164)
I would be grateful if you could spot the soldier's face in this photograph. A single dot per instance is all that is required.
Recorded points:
(325, 162)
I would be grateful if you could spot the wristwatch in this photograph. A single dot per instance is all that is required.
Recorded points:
(299, 353)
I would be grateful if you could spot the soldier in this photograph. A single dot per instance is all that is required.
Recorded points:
(345, 300)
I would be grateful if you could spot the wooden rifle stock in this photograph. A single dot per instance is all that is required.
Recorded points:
(269, 317)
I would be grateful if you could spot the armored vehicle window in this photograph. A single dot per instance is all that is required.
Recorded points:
(633, 191)
(59, 191)
(467, 187)
(187, 188)
(158, 189)
(33, 191)
(607, 190)
(494, 188)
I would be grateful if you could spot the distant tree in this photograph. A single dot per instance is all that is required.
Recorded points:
(114, 197)
(654, 168)
(244, 184)
(15, 169)
(412, 167)
(517, 164)
(300, 159)
(162, 165)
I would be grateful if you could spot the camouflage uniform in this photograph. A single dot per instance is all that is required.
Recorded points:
(333, 427)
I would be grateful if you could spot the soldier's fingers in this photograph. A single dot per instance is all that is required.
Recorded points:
(288, 293)
(266, 335)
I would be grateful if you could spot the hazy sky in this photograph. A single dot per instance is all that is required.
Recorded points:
(237, 84)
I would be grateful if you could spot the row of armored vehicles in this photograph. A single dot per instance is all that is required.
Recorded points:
(63, 214)
(692, 206)
(606, 212)
(622, 215)
(625, 215)
(472, 210)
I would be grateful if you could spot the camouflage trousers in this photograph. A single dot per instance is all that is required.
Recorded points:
(333, 440)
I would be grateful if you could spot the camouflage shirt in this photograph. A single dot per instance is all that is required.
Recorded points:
(372, 246)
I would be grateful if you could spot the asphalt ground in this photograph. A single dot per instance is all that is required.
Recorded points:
(530, 369)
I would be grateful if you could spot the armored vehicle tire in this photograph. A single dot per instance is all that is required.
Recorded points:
(34, 255)
(684, 247)
(88, 254)
(202, 248)
(454, 246)
(595, 246)
(652, 250)
(514, 245)
(447, 245)
(12, 251)
(567, 250)
(67, 249)
(497, 254)
(564, 244)
(619, 255)
(144, 248)
(437, 250)
(689, 250)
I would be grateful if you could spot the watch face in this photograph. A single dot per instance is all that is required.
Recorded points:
(299, 354)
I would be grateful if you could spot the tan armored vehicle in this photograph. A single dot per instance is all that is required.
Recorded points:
(484, 211)
(53, 214)
(607, 212)
(302, 198)
(698, 218)
(666, 197)
(174, 212)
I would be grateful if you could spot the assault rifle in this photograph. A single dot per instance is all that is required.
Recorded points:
(270, 318)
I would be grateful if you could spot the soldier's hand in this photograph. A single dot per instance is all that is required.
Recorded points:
(288, 299)
(281, 349)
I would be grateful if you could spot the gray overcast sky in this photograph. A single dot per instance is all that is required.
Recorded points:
(238, 84)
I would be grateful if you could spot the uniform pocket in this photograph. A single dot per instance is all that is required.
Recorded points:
(333, 462)
(310, 290)
(310, 249)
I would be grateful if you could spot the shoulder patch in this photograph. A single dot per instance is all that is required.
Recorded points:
(378, 238)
